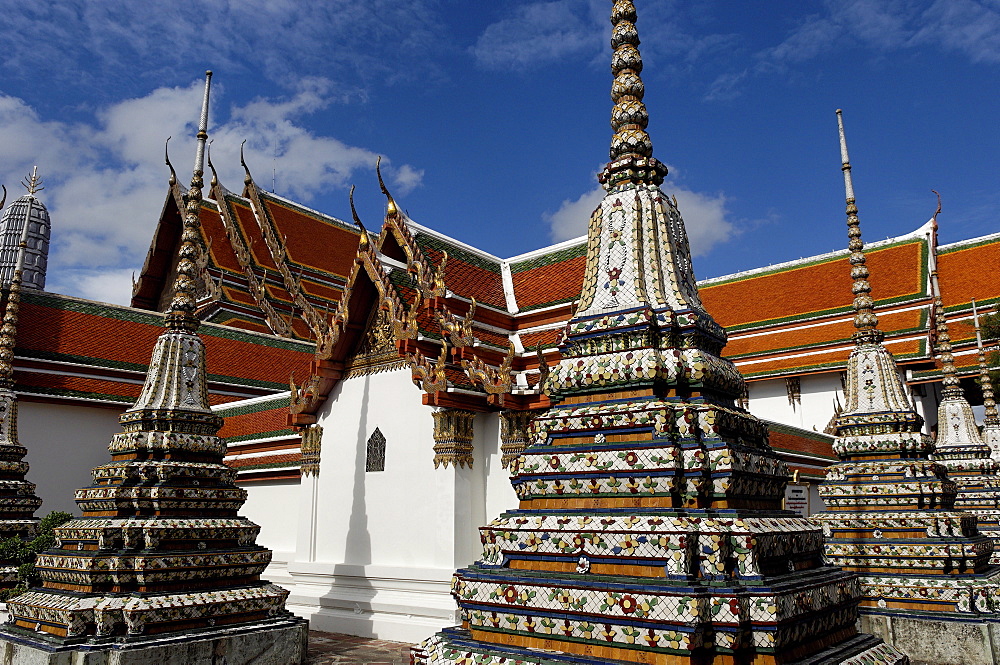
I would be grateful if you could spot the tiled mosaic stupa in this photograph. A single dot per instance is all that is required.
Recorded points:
(959, 446)
(991, 417)
(891, 513)
(161, 564)
(18, 501)
(650, 527)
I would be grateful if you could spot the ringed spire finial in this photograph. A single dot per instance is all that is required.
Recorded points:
(33, 183)
(865, 319)
(182, 304)
(631, 148)
(992, 415)
(391, 207)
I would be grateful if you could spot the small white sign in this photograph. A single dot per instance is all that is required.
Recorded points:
(797, 499)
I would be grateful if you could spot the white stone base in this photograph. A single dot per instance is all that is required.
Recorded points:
(278, 642)
(386, 603)
(938, 641)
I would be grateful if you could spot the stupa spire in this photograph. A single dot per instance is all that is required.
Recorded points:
(167, 503)
(182, 305)
(865, 319)
(989, 401)
(645, 441)
(631, 148)
(991, 420)
(882, 389)
(18, 501)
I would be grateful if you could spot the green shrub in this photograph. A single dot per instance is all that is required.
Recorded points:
(23, 552)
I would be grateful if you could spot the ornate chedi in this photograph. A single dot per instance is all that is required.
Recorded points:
(890, 508)
(161, 563)
(650, 527)
(18, 501)
(24, 236)
(959, 446)
(991, 419)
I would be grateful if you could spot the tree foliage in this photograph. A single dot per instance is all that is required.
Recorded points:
(990, 326)
(22, 553)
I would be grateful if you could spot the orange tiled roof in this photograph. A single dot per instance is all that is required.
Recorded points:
(548, 279)
(968, 270)
(467, 274)
(803, 290)
(74, 332)
(824, 360)
(816, 335)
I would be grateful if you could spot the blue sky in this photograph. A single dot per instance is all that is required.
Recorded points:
(493, 116)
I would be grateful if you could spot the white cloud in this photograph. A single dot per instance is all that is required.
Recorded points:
(113, 286)
(105, 182)
(573, 217)
(408, 178)
(705, 216)
(536, 34)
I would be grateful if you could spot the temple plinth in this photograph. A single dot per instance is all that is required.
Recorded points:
(650, 527)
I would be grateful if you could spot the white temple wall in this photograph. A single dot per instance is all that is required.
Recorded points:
(813, 409)
(375, 551)
(274, 505)
(64, 443)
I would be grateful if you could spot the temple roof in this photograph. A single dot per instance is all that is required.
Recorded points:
(73, 349)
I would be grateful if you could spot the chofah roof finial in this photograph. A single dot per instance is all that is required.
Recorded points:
(865, 319)
(166, 158)
(391, 207)
(182, 305)
(631, 149)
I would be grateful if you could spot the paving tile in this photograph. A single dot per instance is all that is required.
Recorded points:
(340, 649)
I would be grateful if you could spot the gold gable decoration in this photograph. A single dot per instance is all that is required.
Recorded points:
(377, 351)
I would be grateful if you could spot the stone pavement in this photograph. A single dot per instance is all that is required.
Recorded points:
(330, 648)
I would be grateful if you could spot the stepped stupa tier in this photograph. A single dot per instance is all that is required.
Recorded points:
(650, 527)
(991, 417)
(161, 551)
(891, 513)
(18, 501)
(959, 446)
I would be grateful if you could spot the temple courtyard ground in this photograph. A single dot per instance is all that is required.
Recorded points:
(331, 648)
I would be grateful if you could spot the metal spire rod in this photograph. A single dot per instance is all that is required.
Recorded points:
(182, 305)
(865, 319)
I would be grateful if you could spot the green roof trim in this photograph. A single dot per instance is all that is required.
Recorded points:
(233, 409)
(550, 304)
(426, 241)
(276, 434)
(124, 400)
(543, 260)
